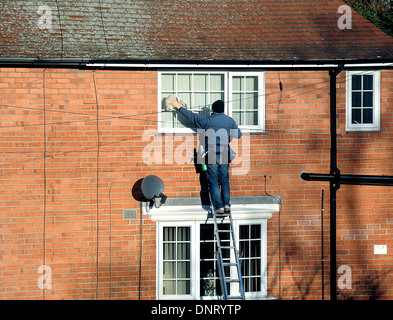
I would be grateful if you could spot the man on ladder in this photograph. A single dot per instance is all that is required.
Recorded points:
(219, 130)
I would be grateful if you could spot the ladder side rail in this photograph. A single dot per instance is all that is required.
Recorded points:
(220, 262)
(238, 266)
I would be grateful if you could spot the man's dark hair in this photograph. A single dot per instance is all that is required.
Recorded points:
(218, 106)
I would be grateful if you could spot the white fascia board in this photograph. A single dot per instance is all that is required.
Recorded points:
(208, 66)
(238, 66)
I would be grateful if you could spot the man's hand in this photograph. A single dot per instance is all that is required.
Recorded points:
(176, 104)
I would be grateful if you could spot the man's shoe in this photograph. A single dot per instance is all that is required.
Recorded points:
(220, 211)
(227, 209)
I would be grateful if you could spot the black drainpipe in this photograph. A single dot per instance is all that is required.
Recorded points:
(334, 183)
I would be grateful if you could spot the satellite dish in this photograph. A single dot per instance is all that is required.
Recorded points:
(152, 186)
(152, 189)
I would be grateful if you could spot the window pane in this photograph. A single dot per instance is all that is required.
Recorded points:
(252, 83)
(237, 101)
(251, 118)
(183, 287)
(169, 270)
(251, 101)
(256, 267)
(183, 269)
(201, 101)
(237, 83)
(245, 248)
(169, 233)
(356, 116)
(255, 248)
(243, 234)
(255, 285)
(169, 251)
(186, 97)
(256, 231)
(208, 281)
(183, 234)
(367, 82)
(169, 287)
(236, 115)
(367, 99)
(200, 81)
(168, 82)
(367, 115)
(167, 119)
(206, 250)
(216, 82)
(356, 82)
(207, 232)
(183, 251)
(356, 99)
(214, 96)
(184, 82)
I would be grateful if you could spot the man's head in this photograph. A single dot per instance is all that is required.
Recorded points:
(218, 106)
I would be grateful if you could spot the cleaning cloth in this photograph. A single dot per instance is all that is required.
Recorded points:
(170, 99)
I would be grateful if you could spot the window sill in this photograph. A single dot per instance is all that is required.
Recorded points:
(360, 128)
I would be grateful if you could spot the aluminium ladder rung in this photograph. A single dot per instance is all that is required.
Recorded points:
(229, 264)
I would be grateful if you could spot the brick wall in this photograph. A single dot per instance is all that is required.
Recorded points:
(66, 178)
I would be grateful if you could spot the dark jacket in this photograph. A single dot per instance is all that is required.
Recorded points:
(218, 128)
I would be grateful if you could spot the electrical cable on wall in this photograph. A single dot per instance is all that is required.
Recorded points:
(279, 212)
(98, 177)
(44, 160)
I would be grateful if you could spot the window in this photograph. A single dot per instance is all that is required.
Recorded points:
(243, 93)
(188, 264)
(176, 261)
(363, 101)
(250, 256)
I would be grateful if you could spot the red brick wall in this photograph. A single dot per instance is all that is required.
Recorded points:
(364, 213)
(92, 251)
(50, 214)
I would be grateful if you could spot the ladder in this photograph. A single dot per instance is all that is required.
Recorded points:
(225, 267)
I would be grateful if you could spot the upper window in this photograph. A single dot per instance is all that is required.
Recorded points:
(242, 92)
(363, 101)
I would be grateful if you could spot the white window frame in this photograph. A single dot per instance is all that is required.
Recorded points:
(261, 100)
(160, 263)
(195, 259)
(375, 126)
(227, 97)
(263, 223)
